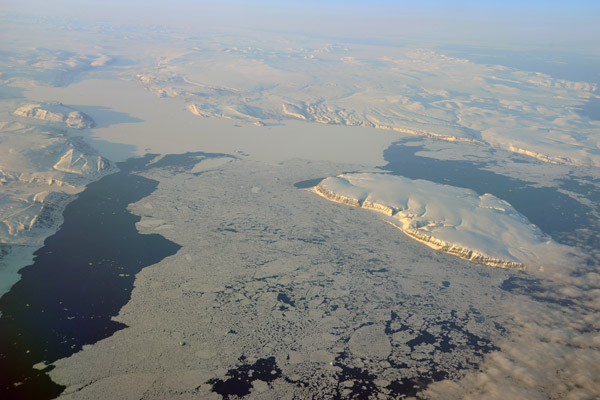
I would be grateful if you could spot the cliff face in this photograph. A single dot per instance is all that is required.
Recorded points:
(460, 252)
(389, 211)
(338, 198)
(481, 229)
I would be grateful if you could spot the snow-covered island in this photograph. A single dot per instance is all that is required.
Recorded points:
(56, 112)
(482, 229)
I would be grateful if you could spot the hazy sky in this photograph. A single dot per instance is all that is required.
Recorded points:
(561, 24)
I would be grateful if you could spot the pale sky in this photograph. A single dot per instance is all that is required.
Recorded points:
(561, 24)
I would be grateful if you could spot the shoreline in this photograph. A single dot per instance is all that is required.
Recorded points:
(80, 278)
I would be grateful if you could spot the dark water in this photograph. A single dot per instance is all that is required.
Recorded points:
(79, 280)
(590, 109)
(554, 212)
(535, 289)
(239, 380)
(308, 183)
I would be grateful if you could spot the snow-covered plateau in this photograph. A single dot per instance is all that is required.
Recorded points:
(482, 229)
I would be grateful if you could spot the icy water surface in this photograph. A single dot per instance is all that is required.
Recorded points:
(79, 280)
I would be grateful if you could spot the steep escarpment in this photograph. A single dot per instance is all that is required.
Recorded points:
(457, 221)
(461, 252)
(338, 198)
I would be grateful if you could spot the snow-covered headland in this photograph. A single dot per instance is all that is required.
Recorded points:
(42, 168)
